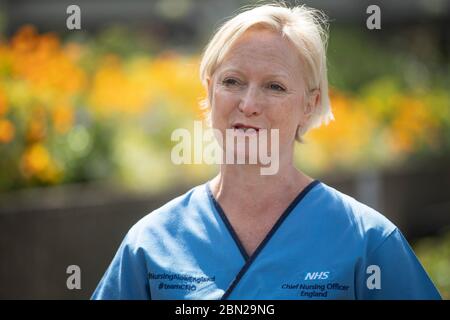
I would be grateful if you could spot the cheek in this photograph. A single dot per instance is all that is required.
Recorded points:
(224, 99)
(223, 104)
(287, 114)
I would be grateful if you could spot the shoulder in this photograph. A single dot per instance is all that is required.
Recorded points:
(169, 217)
(365, 223)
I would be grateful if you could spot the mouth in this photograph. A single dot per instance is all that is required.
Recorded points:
(243, 128)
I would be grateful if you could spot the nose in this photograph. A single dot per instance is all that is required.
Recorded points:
(250, 104)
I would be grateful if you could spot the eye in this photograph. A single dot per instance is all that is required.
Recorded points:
(276, 87)
(230, 82)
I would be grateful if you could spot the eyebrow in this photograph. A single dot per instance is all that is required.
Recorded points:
(271, 75)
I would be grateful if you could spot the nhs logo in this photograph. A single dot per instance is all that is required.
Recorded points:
(322, 275)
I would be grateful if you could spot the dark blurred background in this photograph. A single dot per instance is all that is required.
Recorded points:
(86, 118)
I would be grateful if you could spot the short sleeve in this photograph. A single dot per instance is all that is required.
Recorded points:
(401, 276)
(126, 276)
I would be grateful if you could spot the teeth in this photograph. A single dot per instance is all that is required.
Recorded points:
(244, 129)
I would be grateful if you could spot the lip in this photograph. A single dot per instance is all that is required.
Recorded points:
(239, 125)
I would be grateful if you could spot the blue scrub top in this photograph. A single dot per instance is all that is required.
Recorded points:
(326, 245)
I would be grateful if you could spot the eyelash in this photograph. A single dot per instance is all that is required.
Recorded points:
(227, 82)
(280, 88)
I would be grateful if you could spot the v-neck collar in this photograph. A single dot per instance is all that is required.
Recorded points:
(227, 223)
(249, 259)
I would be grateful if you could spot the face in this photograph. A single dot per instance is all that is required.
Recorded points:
(260, 84)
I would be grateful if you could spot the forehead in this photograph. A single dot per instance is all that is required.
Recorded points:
(263, 50)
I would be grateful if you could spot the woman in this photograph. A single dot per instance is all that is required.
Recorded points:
(244, 235)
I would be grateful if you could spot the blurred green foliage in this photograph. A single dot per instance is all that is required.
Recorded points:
(434, 254)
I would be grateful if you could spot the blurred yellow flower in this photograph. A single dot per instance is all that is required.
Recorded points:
(5, 58)
(132, 87)
(35, 159)
(121, 88)
(178, 82)
(37, 162)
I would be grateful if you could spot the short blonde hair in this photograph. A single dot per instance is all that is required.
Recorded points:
(304, 27)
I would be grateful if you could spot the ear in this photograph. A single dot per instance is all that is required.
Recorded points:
(312, 102)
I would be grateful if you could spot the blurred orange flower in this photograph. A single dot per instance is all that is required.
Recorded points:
(40, 60)
(37, 126)
(414, 123)
(62, 118)
(3, 102)
(343, 139)
(6, 131)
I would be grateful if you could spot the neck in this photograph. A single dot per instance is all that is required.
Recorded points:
(245, 185)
